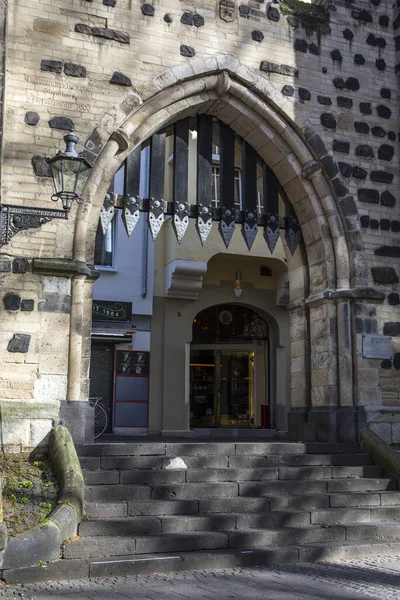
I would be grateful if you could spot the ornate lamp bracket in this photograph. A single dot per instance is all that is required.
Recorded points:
(14, 219)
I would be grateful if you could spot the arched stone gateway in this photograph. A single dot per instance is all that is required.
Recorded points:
(325, 277)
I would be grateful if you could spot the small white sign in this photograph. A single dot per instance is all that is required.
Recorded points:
(377, 346)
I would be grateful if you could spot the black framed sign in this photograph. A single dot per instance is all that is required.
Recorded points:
(111, 311)
(132, 363)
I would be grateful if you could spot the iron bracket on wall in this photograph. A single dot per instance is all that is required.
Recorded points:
(14, 219)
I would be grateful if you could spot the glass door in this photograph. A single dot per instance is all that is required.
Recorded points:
(235, 406)
(221, 388)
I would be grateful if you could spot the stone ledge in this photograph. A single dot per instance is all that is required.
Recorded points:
(43, 542)
(63, 267)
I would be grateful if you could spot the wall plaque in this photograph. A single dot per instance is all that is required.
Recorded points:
(377, 346)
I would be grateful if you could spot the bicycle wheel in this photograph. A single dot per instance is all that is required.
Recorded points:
(100, 420)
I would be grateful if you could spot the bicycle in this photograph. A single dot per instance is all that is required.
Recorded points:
(100, 416)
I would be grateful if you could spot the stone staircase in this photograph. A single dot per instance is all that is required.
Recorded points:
(172, 506)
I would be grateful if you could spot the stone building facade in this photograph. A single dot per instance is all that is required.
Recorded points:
(312, 88)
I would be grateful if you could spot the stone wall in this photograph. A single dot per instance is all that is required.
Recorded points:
(328, 70)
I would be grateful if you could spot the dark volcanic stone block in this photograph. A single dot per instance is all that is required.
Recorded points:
(340, 189)
(257, 35)
(345, 169)
(19, 343)
(288, 70)
(111, 3)
(12, 302)
(270, 67)
(386, 93)
(368, 195)
(374, 224)
(330, 166)
(384, 21)
(120, 79)
(392, 136)
(72, 70)
(324, 100)
(361, 127)
(365, 108)
(386, 152)
(362, 15)
(348, 35)
(381, 176)
(148, 10)
(273, 13)
(340, 146)
(41, 167)
(393, 299)
(364, 221)
(110, 34)
(385, 224)
(198, 20)
(380, 64)
(395, 226)
(378, 131)
(187, 51)
(31, 117)
(27, 305)
(384, 275)
(359, 59)
(52, 66)
(20, 265)
(396, 361)
(386, 364)
(381, 42)
(343, 102)
(383, 111)
(314, 49)
(364, 150)
(187, 18)
(352, 84)
(328, 121)
(64, 123)
(371, 40)
(359, 173)
(339, 83)
(387, 199)
(288, 90)
(336, 56)
(244, 9)
(391, 328)
(300, 45)
(389, 251)
(304, 94)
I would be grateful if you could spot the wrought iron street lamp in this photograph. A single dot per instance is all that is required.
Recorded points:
(69, 171)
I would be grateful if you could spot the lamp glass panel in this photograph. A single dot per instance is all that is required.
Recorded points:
(57, 176)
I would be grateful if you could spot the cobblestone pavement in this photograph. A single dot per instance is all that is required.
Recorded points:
(377, 578)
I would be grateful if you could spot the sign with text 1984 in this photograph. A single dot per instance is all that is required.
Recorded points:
(377, 346)
(111, 311)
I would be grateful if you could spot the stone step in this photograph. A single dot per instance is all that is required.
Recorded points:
(156, 476)
(201, 448)
(232, 521)
(185, 523)
(89, 547)
(270, 488)
(96, 546)
(240, 504)
(240, 461)
(128, 565)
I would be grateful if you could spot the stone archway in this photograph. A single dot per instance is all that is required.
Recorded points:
(321, 280)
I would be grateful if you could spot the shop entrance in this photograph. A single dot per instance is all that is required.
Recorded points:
(221, 388)
(228, 367)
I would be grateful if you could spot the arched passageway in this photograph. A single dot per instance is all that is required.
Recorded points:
(320, 276)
